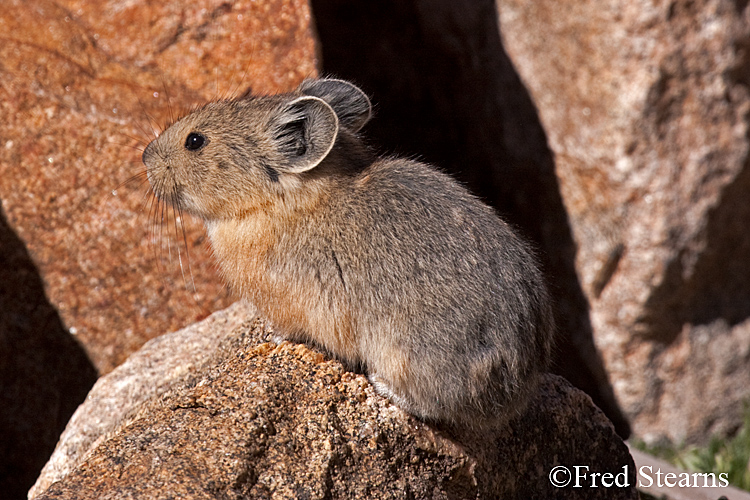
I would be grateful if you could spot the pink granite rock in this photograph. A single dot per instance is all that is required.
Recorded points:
(646, 107)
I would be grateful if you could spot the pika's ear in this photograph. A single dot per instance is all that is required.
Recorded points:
(351, 105)
(304, 131)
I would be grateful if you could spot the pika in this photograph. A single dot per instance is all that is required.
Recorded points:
(388, 264)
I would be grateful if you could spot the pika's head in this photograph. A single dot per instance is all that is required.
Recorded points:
(232, 156)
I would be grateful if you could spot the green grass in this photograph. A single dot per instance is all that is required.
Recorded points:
(722, 455)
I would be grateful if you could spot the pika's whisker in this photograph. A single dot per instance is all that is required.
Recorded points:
(234, 92)
(140, 143)
(126, 145)
(156, 248)
(154, 133)
(169, 100)
(164, 228)
(147, 197)
(187, 250)
(140, 178)
(175, 220)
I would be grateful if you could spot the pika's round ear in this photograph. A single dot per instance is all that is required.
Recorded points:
(304, 131)
(352, 106)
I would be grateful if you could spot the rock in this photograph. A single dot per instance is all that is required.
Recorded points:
(82, 102)
(255, 420)
(446, 91)
(85, 86)
(148, 372)
(646, 108)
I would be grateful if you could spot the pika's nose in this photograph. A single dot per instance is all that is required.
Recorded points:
(148, 153)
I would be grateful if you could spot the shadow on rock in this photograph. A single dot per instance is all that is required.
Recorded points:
(44, 373)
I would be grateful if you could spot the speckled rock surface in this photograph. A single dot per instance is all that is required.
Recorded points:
(147, 373)
(646, 106)
(257, 420)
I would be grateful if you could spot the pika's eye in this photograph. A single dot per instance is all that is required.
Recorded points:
(195, 141)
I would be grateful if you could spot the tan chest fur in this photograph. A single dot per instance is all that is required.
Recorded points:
(299, 306)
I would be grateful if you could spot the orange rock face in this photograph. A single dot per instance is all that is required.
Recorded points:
(87, 85)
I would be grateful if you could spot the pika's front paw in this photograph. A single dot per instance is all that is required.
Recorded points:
(276, 338)
(383, 388)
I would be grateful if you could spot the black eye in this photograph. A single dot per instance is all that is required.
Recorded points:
(195, 141)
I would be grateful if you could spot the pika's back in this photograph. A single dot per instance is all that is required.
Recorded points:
(415, 243)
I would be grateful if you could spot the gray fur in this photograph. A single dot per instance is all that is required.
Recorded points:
(350, 104)
(389, 264)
